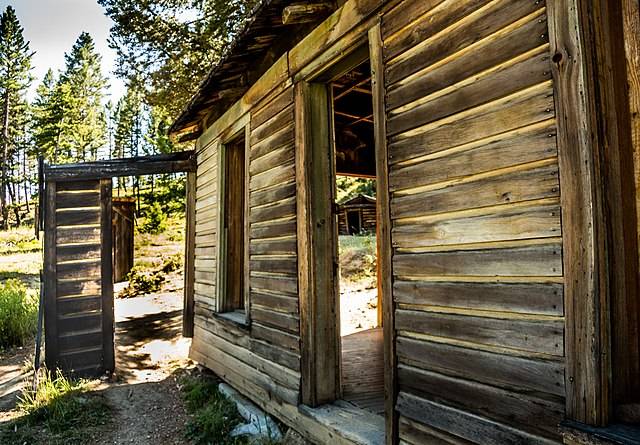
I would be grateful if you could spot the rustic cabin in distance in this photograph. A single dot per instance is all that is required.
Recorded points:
(502, 135)
(357, 215)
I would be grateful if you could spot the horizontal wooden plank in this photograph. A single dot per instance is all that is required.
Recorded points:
(273, 229)
(77, 252)
(69, 325)
(518, 110)
(424, 22)
(275, 319)
(277, 175)
(282, 138)
(416, 433)
(272, 194)
(530, 413)
(82, 359)
(497, 15)
(528, 260)
(521, 146)
(275, 337)
(276, 354)
(77, 186)
(505, 45)
(532, 182)
(527, 298)
(89, 269)
(80, 287)
(279, 374)
(464, 424)
(479, 89)
(272, 159)
(505, 371)
(284, 284)
(78, 304)
(280, 120)
(544, 336)
(274, 301)
(75, 217)
(84, 340)
(277, 246)
(277, 210)
(508, 222)
(273, 107)
(66, 200)
(274, 265)
(83, 235)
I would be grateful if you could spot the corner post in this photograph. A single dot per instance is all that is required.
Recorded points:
(106, 278)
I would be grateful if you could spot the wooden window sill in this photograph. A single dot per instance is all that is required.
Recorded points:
(238, 318)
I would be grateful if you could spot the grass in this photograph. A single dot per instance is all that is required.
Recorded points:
(60, 411)
(213, 416)
(19, 240)
(18, 313)
(357, 256)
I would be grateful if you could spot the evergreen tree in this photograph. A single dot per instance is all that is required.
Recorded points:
(128, 138)
(47, 118)
(83, 127)
(15, 77)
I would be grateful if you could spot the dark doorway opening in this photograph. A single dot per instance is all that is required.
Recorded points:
(361, 337)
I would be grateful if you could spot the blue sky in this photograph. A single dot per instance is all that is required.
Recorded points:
(52, 26)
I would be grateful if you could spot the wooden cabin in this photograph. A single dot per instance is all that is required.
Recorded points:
(357, 215)
(123, 230)
(501, 134)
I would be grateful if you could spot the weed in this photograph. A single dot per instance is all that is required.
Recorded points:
(62, 410)
(142, 282)
(213, 415)
(358, 258)
(18, 313)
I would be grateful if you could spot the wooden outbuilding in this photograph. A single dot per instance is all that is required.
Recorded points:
(501, 134)
(123, 215)
(357, 215)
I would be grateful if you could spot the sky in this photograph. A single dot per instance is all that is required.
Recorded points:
(52, 27)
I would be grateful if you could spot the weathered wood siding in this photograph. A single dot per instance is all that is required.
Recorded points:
(476, 225)
(75, 304)
(263, 357)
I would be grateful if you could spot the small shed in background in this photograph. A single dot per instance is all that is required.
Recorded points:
(123, 221)
(357, 215)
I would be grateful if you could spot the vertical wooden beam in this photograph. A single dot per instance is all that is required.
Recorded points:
(247, 219)
(385, 248)
(319, 332)
(189, 257)
(50, 275)
(221, 248)
(106, 279)
(594, 154)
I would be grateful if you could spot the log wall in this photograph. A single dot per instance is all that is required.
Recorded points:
(475, 208)
(475, 216)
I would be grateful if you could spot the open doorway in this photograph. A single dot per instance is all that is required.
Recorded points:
(361, 337)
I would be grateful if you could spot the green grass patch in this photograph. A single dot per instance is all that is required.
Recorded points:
(60, 411)
(18, 313)
(213, 416)
(143, 280)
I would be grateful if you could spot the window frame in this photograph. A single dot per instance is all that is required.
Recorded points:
(238, 316)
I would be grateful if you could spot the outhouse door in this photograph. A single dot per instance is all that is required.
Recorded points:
(78, 289)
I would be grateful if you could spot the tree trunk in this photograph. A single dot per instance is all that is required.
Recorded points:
(26, 180)
(5, 151)
(14, 201)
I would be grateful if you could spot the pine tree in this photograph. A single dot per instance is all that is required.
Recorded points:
(128, 138)
(83, 128)
(15, 77)
(47, 118)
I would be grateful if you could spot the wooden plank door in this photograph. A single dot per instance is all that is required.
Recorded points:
(78, 277)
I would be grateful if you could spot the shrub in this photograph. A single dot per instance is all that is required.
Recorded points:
(155, 220)
(18, 313)
(141, 282)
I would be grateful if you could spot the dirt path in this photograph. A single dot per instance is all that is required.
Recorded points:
(150, 355)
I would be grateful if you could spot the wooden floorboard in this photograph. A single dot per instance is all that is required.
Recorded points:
(363, 370)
